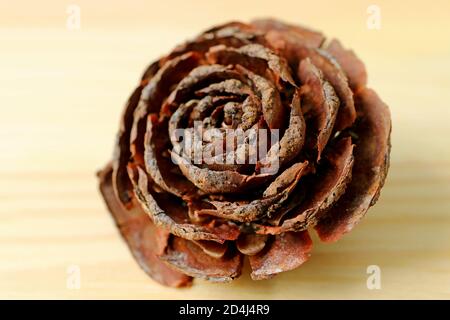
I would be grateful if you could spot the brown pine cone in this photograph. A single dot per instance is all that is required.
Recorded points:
(184, 215)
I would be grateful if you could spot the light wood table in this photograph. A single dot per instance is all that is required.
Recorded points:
(61, 94)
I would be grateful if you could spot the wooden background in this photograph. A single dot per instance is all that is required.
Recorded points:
(61, 94)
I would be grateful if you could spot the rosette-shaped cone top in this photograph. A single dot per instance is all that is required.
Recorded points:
(307, 146)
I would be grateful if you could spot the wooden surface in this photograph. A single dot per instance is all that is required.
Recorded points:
(61, 94)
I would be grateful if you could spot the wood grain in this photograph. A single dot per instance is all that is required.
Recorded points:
(61, 94)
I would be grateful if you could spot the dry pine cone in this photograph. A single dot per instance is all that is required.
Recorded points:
(184, 219)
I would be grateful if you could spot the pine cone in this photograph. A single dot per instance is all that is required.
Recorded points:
(183, 217)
